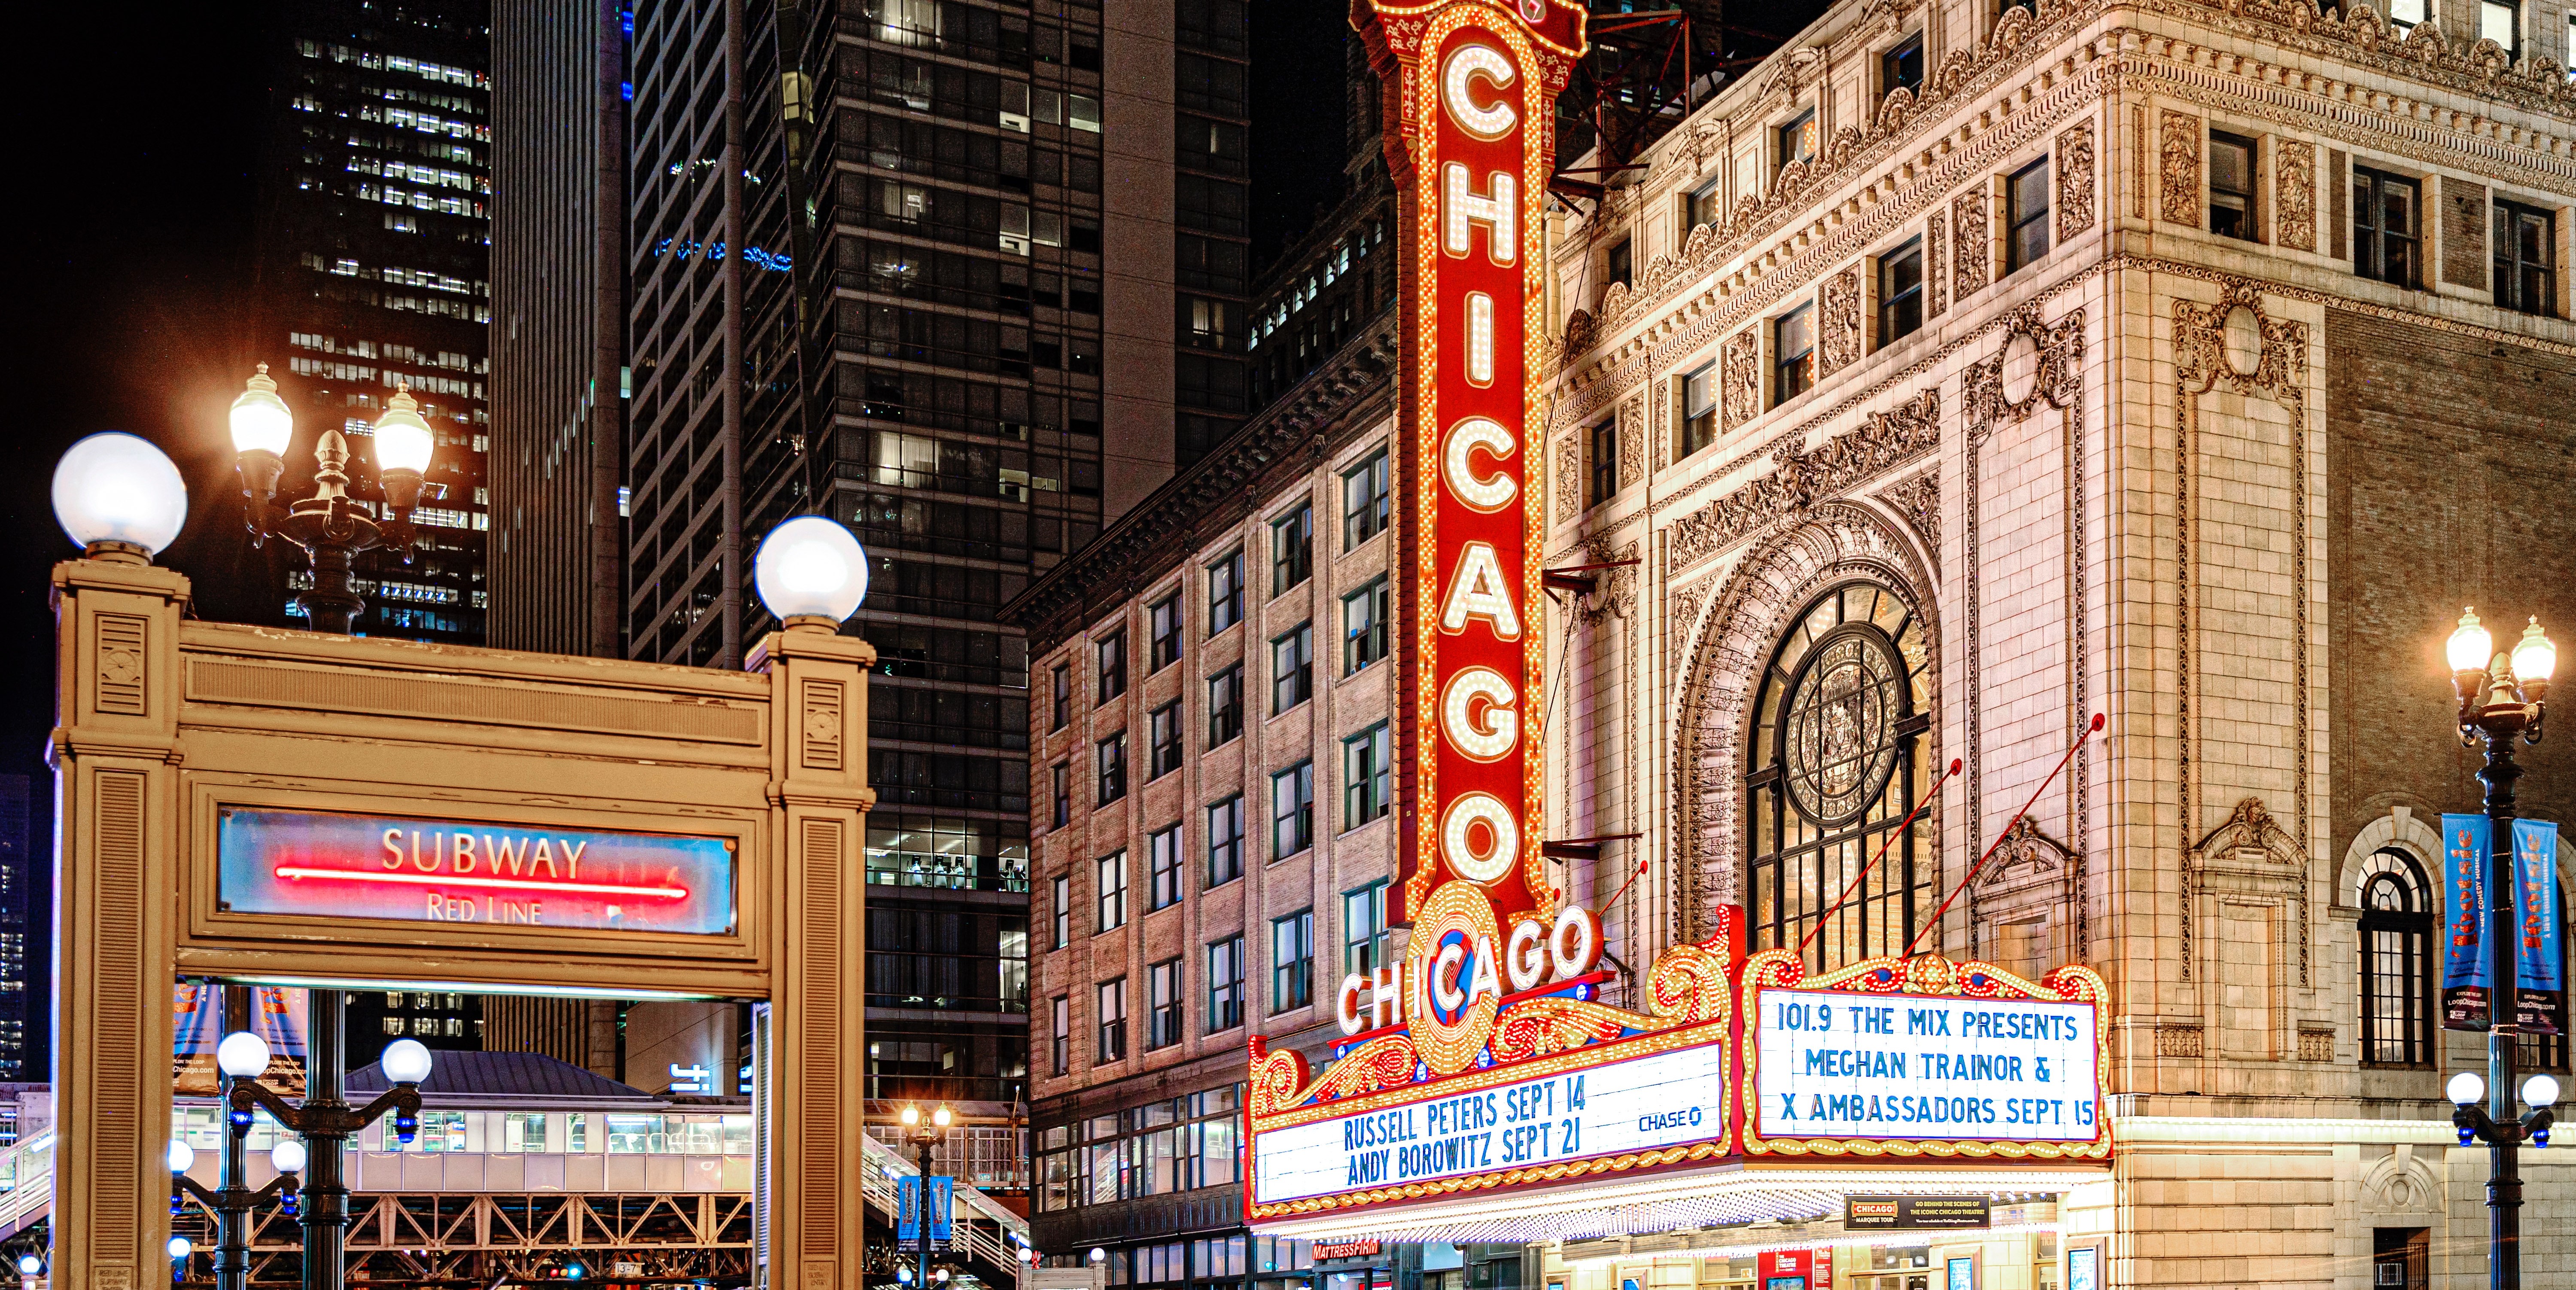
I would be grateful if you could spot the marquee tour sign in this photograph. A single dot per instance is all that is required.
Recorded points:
(462, 871)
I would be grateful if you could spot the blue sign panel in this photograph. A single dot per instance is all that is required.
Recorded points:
(2465, 978)
(2540, 969)
(942, 1207)
(907, 1208)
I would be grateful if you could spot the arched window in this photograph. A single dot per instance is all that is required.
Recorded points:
(1834, 767)
(2396, 960)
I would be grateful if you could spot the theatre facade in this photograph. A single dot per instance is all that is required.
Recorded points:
(1916, 713)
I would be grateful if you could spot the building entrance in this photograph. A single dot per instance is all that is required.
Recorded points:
(357, 819)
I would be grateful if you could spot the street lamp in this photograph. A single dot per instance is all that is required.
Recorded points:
(2501, 697)
(811, 568)
(119, 497)
(924, 1132)
(329, 527)
(326, 1121)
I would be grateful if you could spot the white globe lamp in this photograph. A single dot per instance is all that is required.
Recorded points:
(406, 1061)
(810, 567)
(115, 487)
(242, 1055)
(2465, 1088)
(2540, 1091)
(180, 1156)
(181, 1247)
(288, 1155)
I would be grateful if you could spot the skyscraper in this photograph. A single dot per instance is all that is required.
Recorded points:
(874, 246)
(21, 994)
(559, 306)
(375, 227)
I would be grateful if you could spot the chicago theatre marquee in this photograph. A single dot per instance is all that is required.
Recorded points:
(1918, 697)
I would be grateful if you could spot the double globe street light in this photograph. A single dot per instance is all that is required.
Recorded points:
(2501, 698)
(322, 1126)
(330, 527)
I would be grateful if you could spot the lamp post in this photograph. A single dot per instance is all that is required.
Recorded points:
(232, 1198)
(923, 1134)
(2501, 698)
(326, 1121)
(329, 526)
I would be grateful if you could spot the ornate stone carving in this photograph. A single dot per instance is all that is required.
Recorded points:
(1632, 439)
(1936, 282)
(1580, 330)
(1569, 477)
(1973, 258)
(2024, 850)
(1919, 501)
(120, 665)
(1834, 541)
(2055, 354)
(1799, 477)
(2074, 180)
(2294, 193)
(2355, 33)
(2179, 152)
(2279, 370)
(2178, 1041)
(1838, 322)
(1740, 378)
(1614, 593)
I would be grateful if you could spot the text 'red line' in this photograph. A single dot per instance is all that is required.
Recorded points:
(516, 884)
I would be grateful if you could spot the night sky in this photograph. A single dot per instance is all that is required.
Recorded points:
(137, 130)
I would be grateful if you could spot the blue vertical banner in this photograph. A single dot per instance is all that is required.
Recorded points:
(907, 1208)
(941, 1208)
(2540, 964)
(2466, 981)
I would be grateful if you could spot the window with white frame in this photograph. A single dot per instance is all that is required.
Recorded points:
(1113, 892)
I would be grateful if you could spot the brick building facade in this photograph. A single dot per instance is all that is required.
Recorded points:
(2182, 363)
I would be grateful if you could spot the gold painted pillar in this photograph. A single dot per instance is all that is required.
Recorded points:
(815, 1056)
(115, 752)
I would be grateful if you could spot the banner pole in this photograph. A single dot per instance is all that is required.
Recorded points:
(2060, 767)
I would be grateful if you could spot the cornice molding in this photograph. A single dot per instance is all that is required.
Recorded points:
(2343, 109)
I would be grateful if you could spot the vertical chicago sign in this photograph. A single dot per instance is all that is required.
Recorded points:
(1470, 131)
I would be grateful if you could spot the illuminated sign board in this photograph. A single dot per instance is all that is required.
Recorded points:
(1471, 143)
(402, 869)
(1665, 1098)
(1921, 1057)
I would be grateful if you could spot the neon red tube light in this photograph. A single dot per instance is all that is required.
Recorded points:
(513, 884)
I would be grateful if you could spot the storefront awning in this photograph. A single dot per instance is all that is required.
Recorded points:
(1721, 1196)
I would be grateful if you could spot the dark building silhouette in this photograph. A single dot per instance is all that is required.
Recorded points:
(559, 245)
(374, 228)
